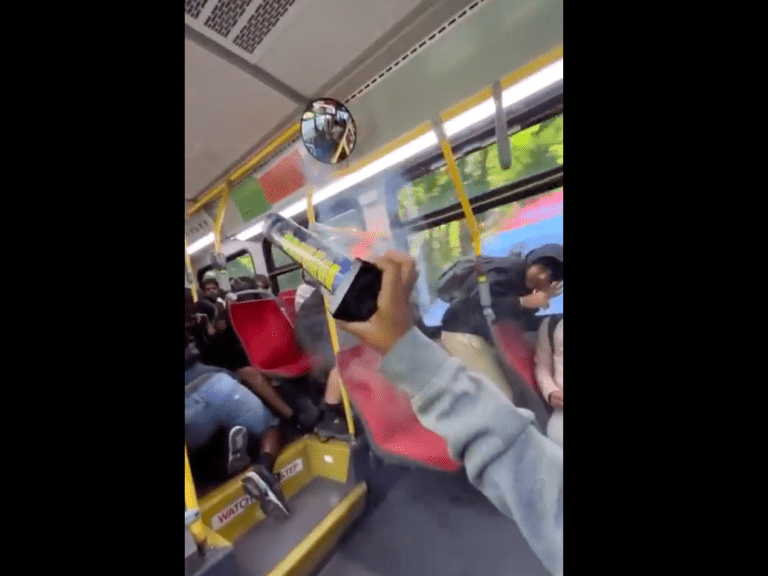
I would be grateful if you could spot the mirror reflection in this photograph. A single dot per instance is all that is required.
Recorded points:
(328, 130)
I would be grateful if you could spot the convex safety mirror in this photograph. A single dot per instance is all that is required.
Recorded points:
(328, 130)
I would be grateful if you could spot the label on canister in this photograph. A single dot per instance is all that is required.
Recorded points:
(322, 260)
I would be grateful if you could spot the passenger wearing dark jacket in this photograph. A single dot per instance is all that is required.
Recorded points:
(519, 287)
(526, 285)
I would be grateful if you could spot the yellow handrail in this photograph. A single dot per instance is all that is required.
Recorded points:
(510, 79)
(190, 500)
(342, 146)
(450, 161)
(332, 329)
(249, 165)
(245, 169)
(453, 170)
(188, 264)
(220, 218)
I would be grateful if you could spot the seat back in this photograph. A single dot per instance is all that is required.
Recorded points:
(518, 355)
(389, 419)
(268, 337)
(516, 351)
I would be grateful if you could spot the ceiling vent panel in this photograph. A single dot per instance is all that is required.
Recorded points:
(244, 27)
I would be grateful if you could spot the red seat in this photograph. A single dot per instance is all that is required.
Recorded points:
(268, 338)
(289, 297)
(516, 351)
(387, 412)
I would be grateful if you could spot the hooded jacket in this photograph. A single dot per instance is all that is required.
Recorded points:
(465, 315)
(517, 468)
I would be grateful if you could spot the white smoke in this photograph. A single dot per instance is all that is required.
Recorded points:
(382, 199)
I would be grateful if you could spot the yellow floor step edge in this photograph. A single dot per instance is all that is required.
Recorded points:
(230, 512)
(319, 543)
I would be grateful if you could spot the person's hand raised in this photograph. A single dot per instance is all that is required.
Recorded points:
(541, 298)
(394, 317)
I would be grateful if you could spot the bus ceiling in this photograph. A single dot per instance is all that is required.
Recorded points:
(395, 65)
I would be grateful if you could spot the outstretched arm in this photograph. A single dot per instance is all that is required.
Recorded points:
(505, 456)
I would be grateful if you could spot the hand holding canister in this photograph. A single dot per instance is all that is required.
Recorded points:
(353, 284)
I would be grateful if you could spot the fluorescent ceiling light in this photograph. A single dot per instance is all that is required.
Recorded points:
(526, 87)
(295, 208)
(512, 95)
(198, 245)
(535, 82)
(396, 156)
(472, 116)
(250, 232)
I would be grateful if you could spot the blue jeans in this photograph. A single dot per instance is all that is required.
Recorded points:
(223, 402)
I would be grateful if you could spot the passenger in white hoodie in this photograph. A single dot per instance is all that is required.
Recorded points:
(549, 372)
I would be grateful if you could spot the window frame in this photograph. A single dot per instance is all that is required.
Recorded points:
(234, 256)
(504, 194)
(508, 193)
(544, 109)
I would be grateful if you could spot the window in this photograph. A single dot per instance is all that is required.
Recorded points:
(282, 270)
(533, 150)
(280, 258)
(239, 264)
(519, 226)
(242, 265)
(289, 280)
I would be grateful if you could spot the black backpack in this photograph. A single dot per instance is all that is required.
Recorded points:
(458, 280)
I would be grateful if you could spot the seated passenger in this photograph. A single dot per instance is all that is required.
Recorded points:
(549, 371)
(517, 468)
(240, 284)
(518, 290)
(211, 290)
(258, 282)
(215, 400)
(219, 346)
(261, 282)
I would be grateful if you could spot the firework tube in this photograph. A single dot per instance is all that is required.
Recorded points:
(353, 284)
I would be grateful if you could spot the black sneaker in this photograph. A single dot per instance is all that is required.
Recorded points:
(238, 455)
(332, 425)
(265, 487)
(308, 417)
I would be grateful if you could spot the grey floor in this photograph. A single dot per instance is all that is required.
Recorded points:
(217, 562)
(269, 542)
(433, 523)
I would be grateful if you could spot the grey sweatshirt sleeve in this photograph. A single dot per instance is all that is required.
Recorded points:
(505, 456)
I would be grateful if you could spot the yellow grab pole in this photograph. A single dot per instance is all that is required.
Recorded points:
(342, 146)
(190, 271)
(210, 195)
(332, 329)
(292, 131)
(190, 500)
(220, 218)
(453, 170)
(510, 79)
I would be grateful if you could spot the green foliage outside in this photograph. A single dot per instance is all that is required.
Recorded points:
(533, 150)
(241, 266)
